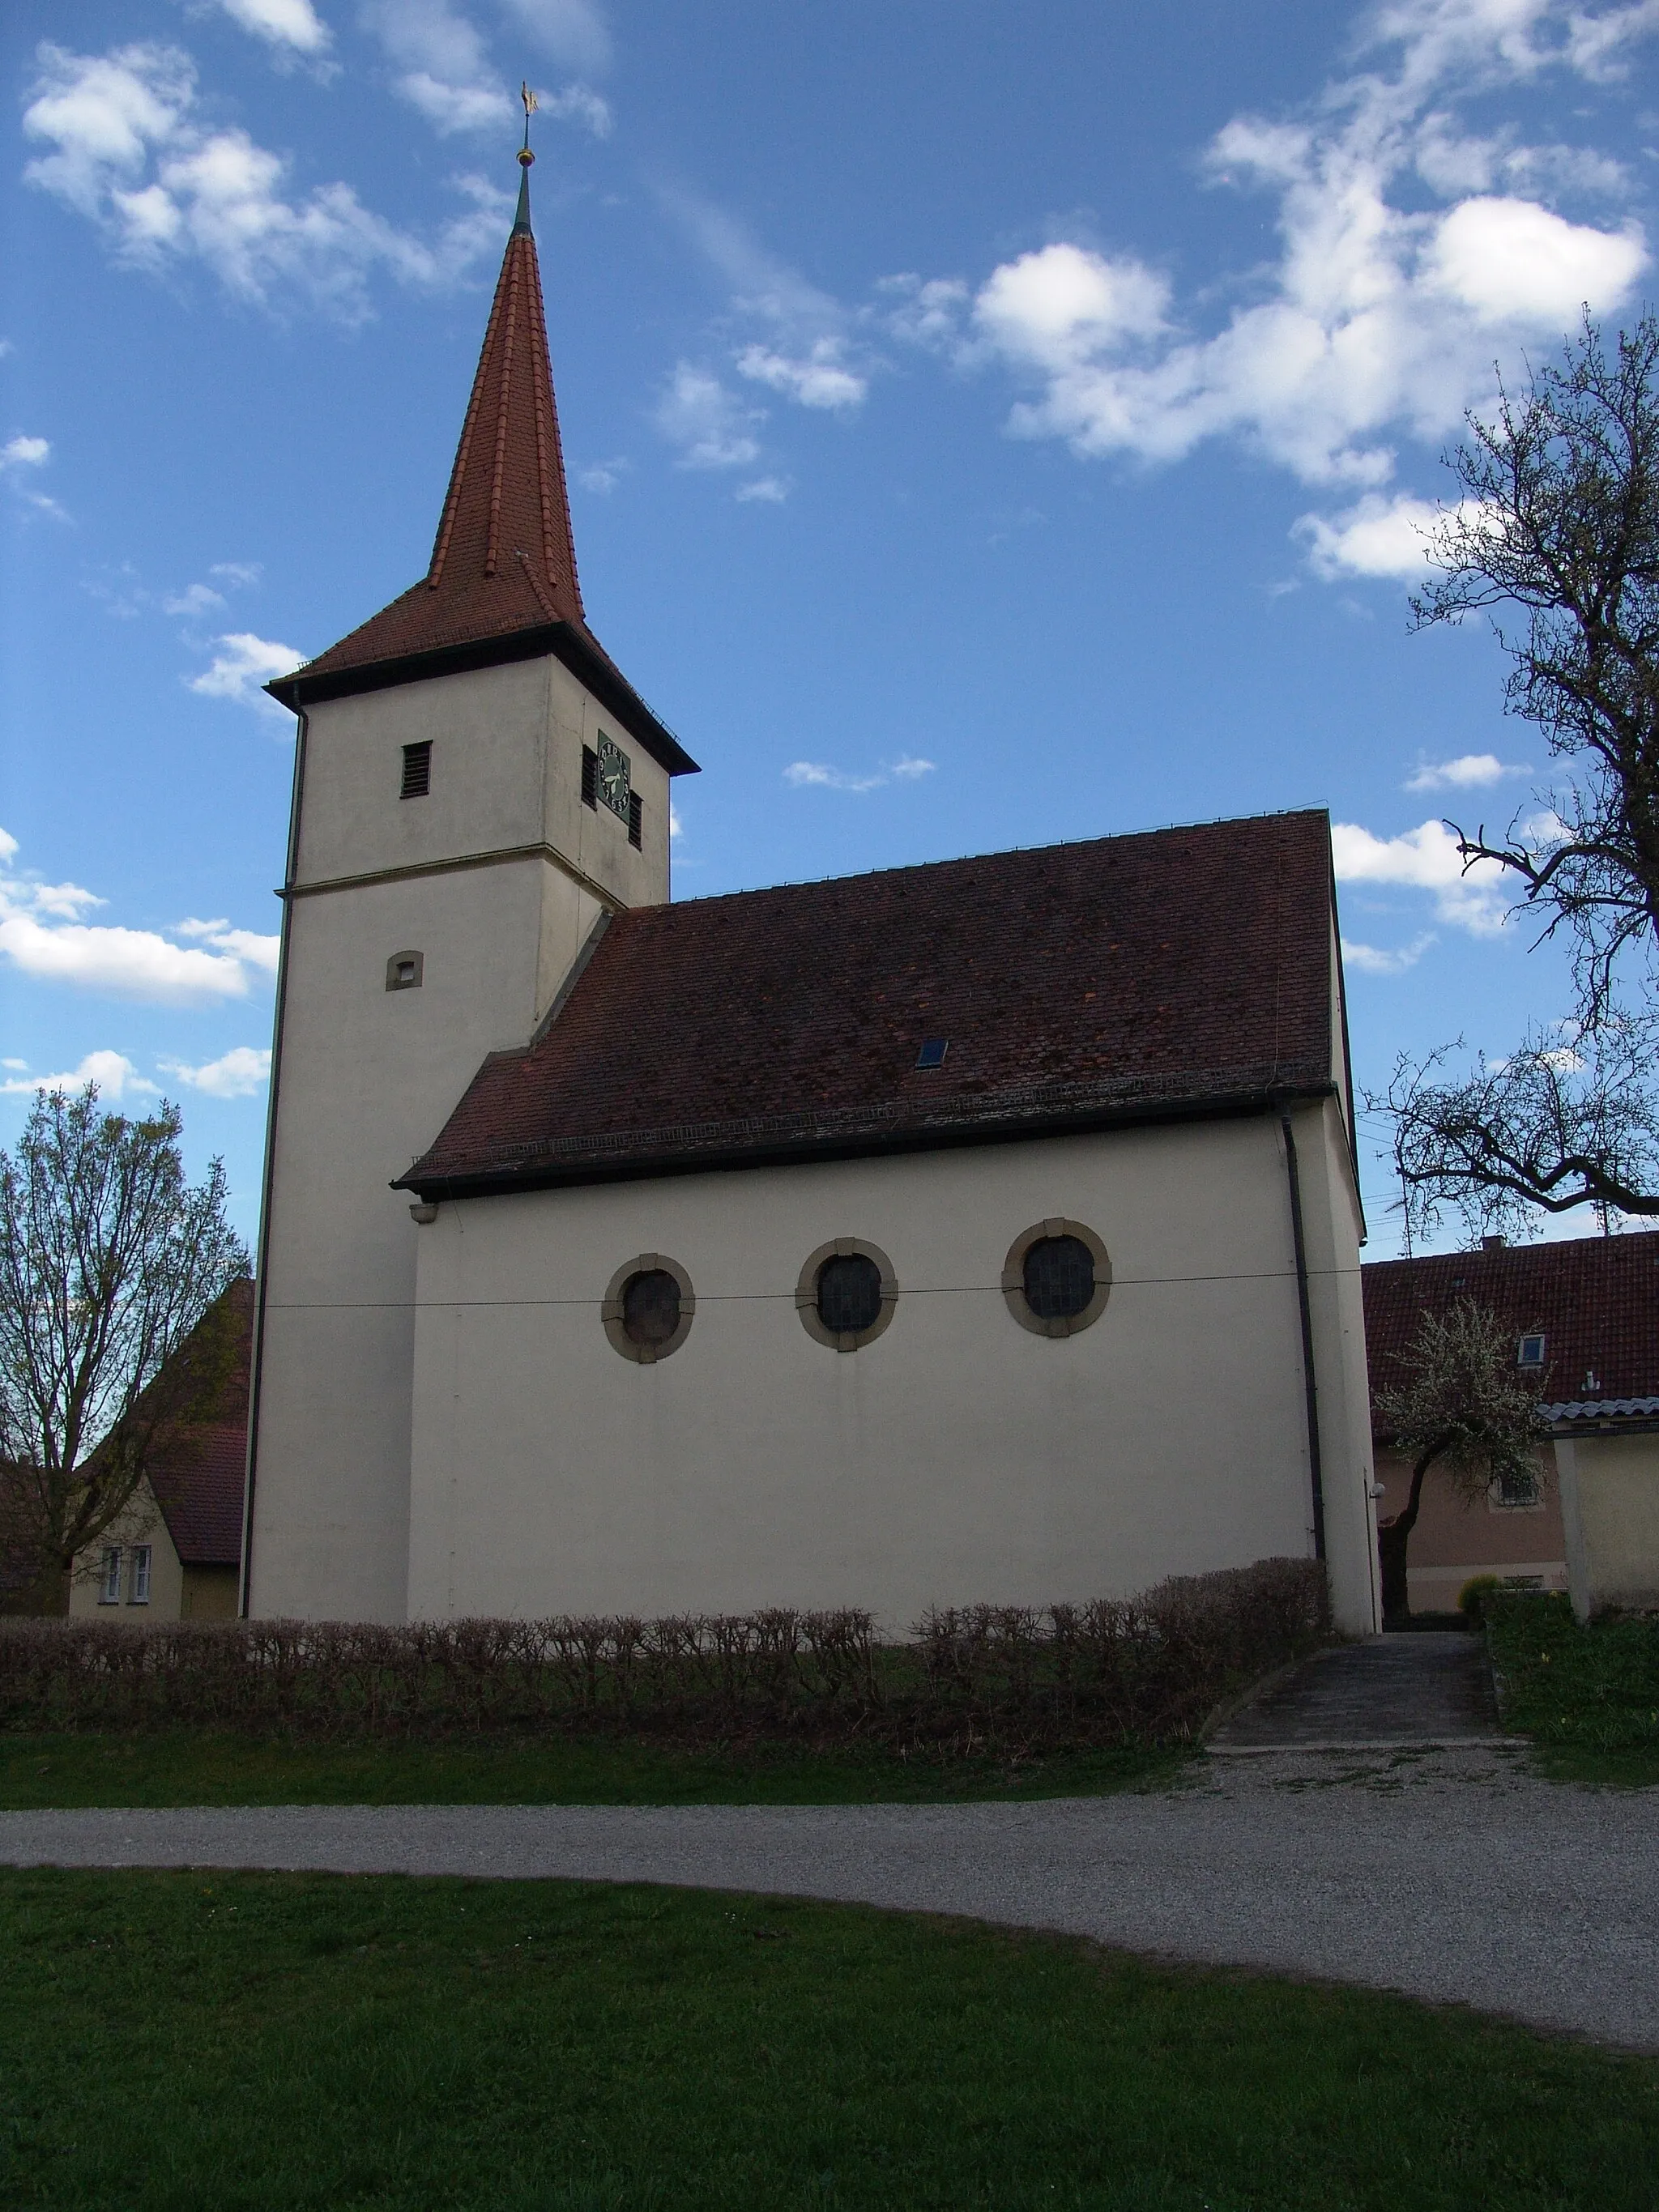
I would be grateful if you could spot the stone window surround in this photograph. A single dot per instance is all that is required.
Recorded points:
(806, 1294)
(1013, 1279)
(610, 1312)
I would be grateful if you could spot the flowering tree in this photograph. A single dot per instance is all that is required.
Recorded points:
(1460, 1403)
(114, 1331)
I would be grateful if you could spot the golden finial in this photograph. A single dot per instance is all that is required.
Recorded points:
(531, 104)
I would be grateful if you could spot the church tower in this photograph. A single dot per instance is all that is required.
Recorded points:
(476, 790)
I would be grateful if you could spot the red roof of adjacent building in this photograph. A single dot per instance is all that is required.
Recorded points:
(1596, 1298)
(197, 1482)
(1130, 978)
(501, 583)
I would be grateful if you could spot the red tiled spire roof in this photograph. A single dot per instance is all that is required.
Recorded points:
(501, 584)
(504, 558)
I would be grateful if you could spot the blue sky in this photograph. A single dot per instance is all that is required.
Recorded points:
(987, 425)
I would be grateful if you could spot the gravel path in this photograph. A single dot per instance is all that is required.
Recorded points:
(1449, 1875)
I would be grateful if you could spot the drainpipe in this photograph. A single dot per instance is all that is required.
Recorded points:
(257, 1368)
(1310, 1386)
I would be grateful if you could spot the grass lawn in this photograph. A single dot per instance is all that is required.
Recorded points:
(1589, 1697)
(245, 2042)
(191, 1769)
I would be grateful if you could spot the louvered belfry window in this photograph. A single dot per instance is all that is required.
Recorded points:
(1060, 1277)
(635, 821)
(849, 1293)
(417, 770)
(590, 777)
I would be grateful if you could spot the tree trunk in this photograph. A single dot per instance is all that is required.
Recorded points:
(1392, 1539)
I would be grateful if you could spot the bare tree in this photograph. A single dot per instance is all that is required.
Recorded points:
(1461, 1404)
(113, 1334)
(1556, 540)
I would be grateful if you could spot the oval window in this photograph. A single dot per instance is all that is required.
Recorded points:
(849, 1293)
(1060, 1277)
(650, 1308)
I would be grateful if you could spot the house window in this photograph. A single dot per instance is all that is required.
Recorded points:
(404, 971)
(846, 1294)
(648, 1308)
(590, 778)
(417, 770)
(1530, 1351)
(636, 820)
(1516, 1486)
(109, 1585)
(1057, 1277)
(140, 1575)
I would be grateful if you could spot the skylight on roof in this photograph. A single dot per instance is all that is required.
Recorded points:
(1530, 1352)
(933, 1052)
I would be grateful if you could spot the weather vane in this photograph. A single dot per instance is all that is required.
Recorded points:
(531, 104)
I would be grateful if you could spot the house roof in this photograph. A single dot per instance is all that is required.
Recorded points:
(198, 1483)
(1596, 1299)
(1141, 977)
(501, 584)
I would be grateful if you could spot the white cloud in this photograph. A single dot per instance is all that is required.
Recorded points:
(1424, 859)
(772, 489)
(247, 944)
(710, 425)
(127, 151)
(819, 379)
(676, 827)
(572, 31)
(1382, 534)
(22, 453)
(1381, 316)
(43, 933)
(242, 666)
(238, 1074)
(112, 1071)
(603, 477)
(289, 24)
(1373, 960)
(805, 774)
(446, 73)
(930, 311)
(194, 600)
(237, 572)
(1468, 772)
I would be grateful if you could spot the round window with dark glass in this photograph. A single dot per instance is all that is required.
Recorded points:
(849, 1293)
(650, 1308)
(1060, 1277)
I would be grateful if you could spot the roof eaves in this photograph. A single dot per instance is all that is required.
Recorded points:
(860, 1143)
(581, 655)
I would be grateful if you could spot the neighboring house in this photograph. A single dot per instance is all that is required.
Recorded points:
(985, 1231)
(176, 1552)
(1585, 1319)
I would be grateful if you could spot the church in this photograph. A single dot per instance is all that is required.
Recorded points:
(982, 1230)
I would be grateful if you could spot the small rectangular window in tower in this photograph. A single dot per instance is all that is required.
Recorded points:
(636, 820)
(417, 770)
(404, 971)
(590, 778)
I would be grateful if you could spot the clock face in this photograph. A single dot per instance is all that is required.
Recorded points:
(613, 777)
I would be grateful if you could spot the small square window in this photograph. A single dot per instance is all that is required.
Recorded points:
(417, 770)
(1530, 1352)
(636, 820)
(933, 1052)
(1516, 1486)
(140, 1575)
(404, 971)
(590, 778)
(109, 1582)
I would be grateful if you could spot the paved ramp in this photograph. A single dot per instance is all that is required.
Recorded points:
(1405, 1691)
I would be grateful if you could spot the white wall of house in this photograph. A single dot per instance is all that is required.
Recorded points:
(1610, 1512)
(958, 1456)
(496, 879)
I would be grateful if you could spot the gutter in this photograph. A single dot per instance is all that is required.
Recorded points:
(1310, 1386)
(255, 1368)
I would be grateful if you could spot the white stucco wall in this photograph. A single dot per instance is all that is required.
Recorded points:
(1610, 1514)
(367, 1077)
(957, 1457)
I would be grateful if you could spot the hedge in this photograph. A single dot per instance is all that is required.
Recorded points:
(1147, 1668)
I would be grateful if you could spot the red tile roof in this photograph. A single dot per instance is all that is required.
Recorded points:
(198, 1483)
(1142, 977)
(1596, 1299)
(501, 583)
